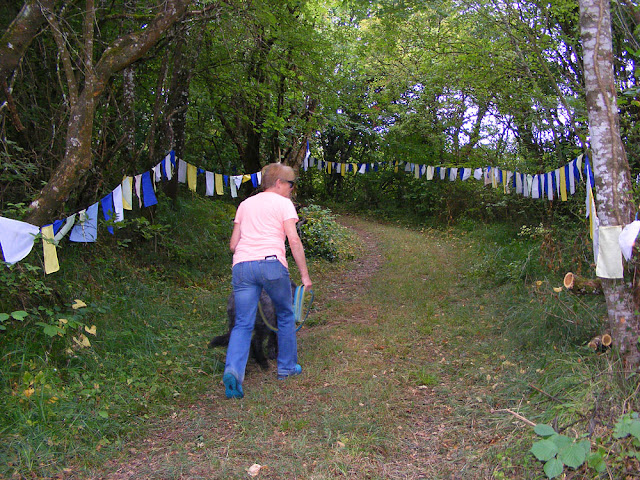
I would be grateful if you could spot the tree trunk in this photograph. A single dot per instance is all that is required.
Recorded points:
(610, 166)
(77, 158)
(129, 117)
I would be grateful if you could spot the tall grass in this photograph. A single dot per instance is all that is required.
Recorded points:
(155, 294)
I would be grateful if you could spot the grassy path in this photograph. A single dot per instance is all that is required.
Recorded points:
(404, 377)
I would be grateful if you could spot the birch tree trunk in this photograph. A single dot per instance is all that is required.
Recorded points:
(122, 52)
(610, 166)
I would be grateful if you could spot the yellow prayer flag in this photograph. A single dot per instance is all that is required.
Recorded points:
(563, 185)
(192, 175)
(127, 193)
(219, 184)
(591, 211)
(51, 264)
(343, 169)
(246, 178)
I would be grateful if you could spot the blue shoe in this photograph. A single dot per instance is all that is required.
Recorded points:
(296, 371)
(232, 387)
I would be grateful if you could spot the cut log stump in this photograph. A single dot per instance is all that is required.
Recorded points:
(601, 343)
(578, 284)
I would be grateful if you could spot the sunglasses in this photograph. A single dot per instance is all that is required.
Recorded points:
(291, 183)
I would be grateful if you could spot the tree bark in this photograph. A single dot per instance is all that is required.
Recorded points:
(610, 166)
(77, 159)
(129, 111)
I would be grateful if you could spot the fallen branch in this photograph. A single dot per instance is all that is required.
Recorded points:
(517, 415)
(545, 393)
(578, 284)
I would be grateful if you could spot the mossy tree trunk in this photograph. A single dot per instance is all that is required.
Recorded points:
(77, 159)
(610, 167)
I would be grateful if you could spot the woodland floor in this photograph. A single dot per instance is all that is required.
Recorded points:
(402, 378)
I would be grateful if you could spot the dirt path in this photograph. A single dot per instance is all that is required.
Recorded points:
(388, 390)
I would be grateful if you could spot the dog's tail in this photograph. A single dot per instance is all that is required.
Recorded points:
(220, 341)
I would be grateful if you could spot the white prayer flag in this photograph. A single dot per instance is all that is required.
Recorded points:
(609, 263)
(138, 188)
(117, 204)
(16, 238)
(182, 171)
(167, 166)
(210, 183)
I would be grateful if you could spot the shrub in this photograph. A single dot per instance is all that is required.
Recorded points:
(322, 236)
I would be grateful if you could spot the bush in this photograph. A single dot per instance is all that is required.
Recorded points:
(323, 237)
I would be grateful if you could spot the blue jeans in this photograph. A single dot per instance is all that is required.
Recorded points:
(248, 279)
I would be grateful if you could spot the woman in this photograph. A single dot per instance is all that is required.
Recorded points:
(259, 262)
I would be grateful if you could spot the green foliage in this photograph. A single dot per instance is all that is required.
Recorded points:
(323, 237)
(185, 233)
(558, 451)
(628, 425)
(22, 284)
(75, 381)
(18, 315)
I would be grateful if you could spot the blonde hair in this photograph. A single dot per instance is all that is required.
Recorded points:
(272, 172)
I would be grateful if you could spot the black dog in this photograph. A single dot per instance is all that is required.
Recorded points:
(260, 329)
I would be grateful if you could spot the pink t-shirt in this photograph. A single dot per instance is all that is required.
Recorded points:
(261, 220)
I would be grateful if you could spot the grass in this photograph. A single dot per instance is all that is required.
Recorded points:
(414, 356)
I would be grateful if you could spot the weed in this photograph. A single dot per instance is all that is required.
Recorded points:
(423, 377)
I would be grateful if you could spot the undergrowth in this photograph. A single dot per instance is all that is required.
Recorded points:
(580, 392)
(78, 382)
(136, 350)
(118, 336)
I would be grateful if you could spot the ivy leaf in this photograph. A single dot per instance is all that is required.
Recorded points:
(544, 450)
(572, 455)
(4, 317)
(19, 315)
(553, 468)
(544, 430)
